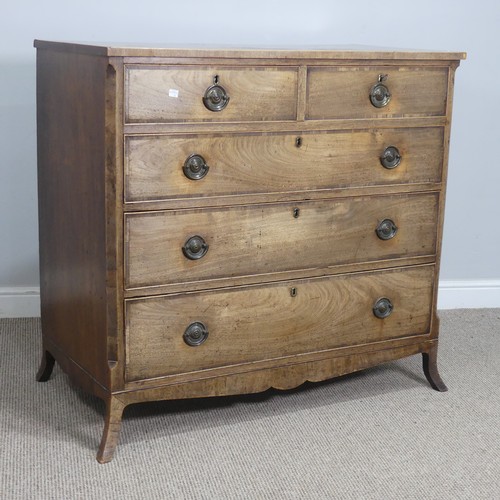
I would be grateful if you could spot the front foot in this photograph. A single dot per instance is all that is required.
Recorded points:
(46, 367)
(112, 426)
(431, 370)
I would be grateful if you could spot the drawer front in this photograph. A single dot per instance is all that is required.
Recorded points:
(344, 92)
(160, 167)
(160, 94)
(250, 324)
(270, 238)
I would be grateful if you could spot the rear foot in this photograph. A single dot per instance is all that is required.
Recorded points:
(46, 366)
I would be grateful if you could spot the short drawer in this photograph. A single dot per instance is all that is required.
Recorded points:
(344, 92)
(274, 238)
(161, 94)
(197, 166)
(182, 333)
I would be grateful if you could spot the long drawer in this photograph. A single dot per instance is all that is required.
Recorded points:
(188, 332)
(162, 94)
(344, 92)
(194, 166)
(181, 246)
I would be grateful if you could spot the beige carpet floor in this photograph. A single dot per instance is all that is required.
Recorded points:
(379, 434)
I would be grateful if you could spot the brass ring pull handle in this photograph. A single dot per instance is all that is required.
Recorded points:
(386, 229)
(215, 98)
(195, 167)
(391, 157)
(195, 334)
(383, 308)
(195, 248)
(379, 93)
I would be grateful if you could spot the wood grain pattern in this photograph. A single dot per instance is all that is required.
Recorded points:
(256, 94)
(267, 364)
(210, 201)
(338, 362)
(114, 220)
(111, 139)
(71, 206)
(255, 323)
(340, 92)
(441, 211)
(258, 239)
(80, 377)
(253, 279)
(243, 164)
(281, 126)
(205, 52)
(111, 432)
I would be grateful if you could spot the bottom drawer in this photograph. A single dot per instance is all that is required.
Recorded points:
(254, 323)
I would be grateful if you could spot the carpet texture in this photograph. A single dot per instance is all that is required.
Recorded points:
(379, 434)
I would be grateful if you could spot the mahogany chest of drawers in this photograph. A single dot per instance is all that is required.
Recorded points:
(218, 222)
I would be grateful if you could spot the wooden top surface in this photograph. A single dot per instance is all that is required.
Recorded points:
(341, 52)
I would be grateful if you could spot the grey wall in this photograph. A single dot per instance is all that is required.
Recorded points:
(472, 230)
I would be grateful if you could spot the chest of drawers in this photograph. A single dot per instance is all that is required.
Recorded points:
(217, 222)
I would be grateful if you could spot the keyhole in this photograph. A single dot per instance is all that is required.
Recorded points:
(298, 142)
(216, 79)
(296, 212)
(293, 292)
